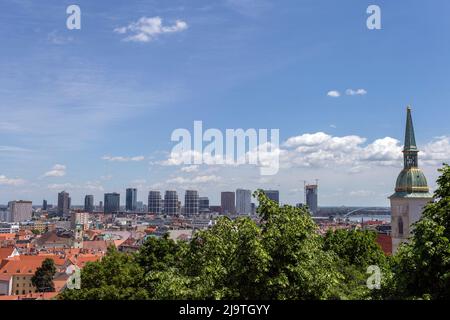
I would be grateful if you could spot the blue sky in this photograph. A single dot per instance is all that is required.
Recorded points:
(71, 99)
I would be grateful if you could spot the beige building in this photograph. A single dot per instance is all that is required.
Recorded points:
(20, 210)
(79, 218)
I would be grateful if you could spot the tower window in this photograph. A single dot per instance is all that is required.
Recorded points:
(400, 226)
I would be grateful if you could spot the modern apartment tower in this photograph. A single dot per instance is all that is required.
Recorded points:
(131, 199)
(203, 204)
(311, 197)
(227, 202)
(243, 201)
(89, 203)
(171, 204)
(411, 190)
(20, 211)
(154, 202)
(112, 202)
(273, 195)
(191, 203)
(63, 204)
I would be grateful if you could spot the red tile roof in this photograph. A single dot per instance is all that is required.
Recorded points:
(6, 252)
(385, 241)
(27, 265)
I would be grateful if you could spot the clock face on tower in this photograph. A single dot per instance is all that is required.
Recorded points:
(411, 161)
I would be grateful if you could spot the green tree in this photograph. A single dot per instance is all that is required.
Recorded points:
(356, 251)
(157, 254)
(422, 267)
(116, 277)
(43, 277)
(299, 267)
(282, 256)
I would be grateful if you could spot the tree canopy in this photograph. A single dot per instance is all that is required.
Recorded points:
(422, 267)
(282, 256)
(43, 277)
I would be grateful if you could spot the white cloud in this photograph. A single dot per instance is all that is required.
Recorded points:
(437, 151)
(58, 170)
(357, 92)
(323, 150)
(90, 185)
(123, 159)
(334, 94)
(192, 168)
(197, 179)
(308, 139)
(148, 29)
(12, 149)
(11, 181)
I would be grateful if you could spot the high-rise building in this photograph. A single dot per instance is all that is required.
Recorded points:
(171, 204)
(273, 195)
(44, 205)
(243, 201)
(131, 199)
(154, 202)
(89, 203)
(411, 190)
(253, 208)
(112, 202)
(311, 195)
(79, 218)
(203, 204)
(191, 203)
(227, 202)
(63, 204)
(20, 211)
(140, 206)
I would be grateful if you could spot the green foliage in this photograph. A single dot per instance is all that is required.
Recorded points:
(116, 276)
(43, 277)
(356, 251)
(422, 267)
(355, 247)
(282, 257)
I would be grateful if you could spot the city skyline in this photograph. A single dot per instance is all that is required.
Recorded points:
(91, 111)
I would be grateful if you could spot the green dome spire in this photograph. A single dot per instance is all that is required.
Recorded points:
(411, 181)
(410, 139)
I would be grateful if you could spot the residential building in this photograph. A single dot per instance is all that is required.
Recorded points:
(273, 195)
(203, 204)
(112, 202)
(63, 204)
(131, 199)
(154, 202)
(171, 203)
(79, 218)
(191, 203)
(227, 202)
(311, 195)
(89, 203)
(243, 201)
(20, 210)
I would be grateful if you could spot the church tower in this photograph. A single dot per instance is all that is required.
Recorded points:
(411, 190)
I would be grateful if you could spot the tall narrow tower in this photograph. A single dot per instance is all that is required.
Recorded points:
(411, 190)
